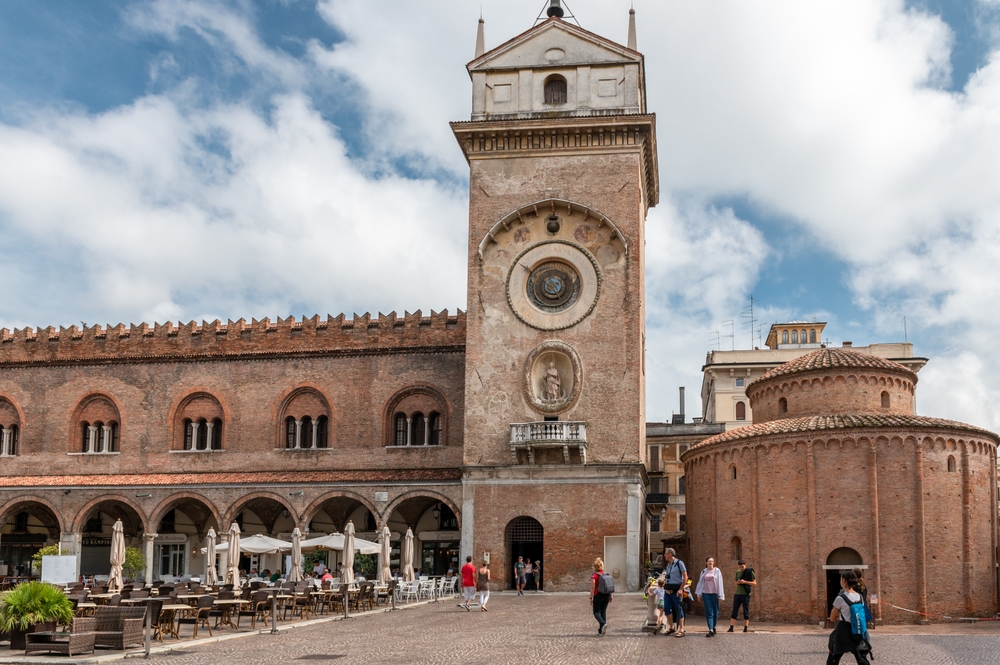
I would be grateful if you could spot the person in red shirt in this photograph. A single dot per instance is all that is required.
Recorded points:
(468, 582)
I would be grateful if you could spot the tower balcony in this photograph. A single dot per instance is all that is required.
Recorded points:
(549, 435)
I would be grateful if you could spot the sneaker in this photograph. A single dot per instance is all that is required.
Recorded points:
(467, 608)
(604, 629)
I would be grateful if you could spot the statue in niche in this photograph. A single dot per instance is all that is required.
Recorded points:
(553, 384)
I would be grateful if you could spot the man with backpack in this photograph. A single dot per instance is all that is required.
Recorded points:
(746, 580)
(602, 590)
(850, 633)
(675, 577)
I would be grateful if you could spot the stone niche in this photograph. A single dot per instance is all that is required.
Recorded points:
(552, 378)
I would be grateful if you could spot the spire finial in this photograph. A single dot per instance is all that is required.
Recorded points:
(481, 38)
(631, 30)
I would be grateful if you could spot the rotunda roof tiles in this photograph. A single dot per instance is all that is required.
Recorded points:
(836, 358)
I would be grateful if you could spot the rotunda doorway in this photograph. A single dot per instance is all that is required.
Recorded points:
(840, 559)
(524, 538)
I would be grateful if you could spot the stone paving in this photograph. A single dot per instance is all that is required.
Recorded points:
(558, 628)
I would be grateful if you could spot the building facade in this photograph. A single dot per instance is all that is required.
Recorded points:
(516, 428)
(839, 472)
(726, 374)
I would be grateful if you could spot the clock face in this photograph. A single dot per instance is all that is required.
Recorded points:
(553, 285)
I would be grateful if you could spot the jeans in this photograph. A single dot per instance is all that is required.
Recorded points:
(672, 605)
(711, 601)
(601, 601)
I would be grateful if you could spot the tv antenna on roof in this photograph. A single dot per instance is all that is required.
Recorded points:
(555, 9)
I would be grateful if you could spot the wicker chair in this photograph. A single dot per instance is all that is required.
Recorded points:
(198, 616)
(155, 612)
(259, 608)
(80, 639)
(119, 627)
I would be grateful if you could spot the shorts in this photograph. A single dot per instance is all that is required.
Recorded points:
(739, 601)
(672, 604)
(522, 580)
(469, 593)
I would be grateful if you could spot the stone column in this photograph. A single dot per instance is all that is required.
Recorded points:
(298, 434)
(315, 439)
(194, 435)
(107, 438)
(92, 439)
(208, 434)
(148, 539)
(5, 450)
(409, 431)
(632, 528)
(427, 435)
(921, 537)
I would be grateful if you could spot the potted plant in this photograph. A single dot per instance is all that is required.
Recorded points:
(135, 563)
(33, 607)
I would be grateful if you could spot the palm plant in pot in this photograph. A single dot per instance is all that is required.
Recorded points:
(33, 607)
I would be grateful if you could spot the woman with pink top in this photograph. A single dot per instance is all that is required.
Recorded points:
(709, 591)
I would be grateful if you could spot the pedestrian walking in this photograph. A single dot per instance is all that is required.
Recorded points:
(850, 632)
(602, 591)
(519, 575)
(746, 579)
(483, 585)
(468, 582)
(675, 577)
(538, 575)
(529, 572)
(862, 588)
(710, 592)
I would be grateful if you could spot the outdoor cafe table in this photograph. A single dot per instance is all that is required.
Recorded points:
(189, 597)
(227, 607)
(167, 625)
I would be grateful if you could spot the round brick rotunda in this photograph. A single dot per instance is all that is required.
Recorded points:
(837, 472)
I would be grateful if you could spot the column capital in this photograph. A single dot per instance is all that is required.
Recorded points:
(150, 537)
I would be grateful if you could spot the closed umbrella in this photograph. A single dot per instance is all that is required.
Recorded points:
(408, 556)
(384, 573)
(115, 582)
(211, 575)
(348, 575)
(295, 574)
(233, 572)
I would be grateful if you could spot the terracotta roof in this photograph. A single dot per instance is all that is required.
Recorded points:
(833, 358)
(847, 422)
(253, 478)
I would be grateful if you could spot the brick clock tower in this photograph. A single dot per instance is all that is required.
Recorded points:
(563, 169)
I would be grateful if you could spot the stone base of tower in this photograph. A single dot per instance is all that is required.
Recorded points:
(563, 516)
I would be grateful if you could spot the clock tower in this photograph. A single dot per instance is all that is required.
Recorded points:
(563, 169)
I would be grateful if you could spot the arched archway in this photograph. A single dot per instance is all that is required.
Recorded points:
(524, 537)
(264, 513)
(840, 559)
(95, 523)
(26, 526)
(181, 523)
(435, 522)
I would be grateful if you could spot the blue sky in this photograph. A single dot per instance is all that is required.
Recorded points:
(197, 159)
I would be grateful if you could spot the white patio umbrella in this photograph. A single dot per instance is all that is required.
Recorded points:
(384, 573)
(408, 556)
(256, 544)
(115, 582)
(211, 574)
(335, 541)
(295, 574)
(233, 571)
(348, 575)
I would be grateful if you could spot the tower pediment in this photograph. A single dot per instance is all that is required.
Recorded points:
(555, 43)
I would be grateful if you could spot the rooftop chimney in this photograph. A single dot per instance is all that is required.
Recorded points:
(679, 417)
(555, 9)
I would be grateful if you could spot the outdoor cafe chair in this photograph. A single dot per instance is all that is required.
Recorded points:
(300, 602)
(426, 589)
(153, 615)
(140, 593)
(115, 600)
(259, 608)
(198, 616)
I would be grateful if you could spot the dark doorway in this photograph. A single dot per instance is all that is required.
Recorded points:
(840, 559)
(524, 538)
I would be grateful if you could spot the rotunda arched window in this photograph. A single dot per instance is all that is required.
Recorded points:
(885, 399)
(952, 466)
(783, 405)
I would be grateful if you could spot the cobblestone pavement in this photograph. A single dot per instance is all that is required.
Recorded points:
(554, 628)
